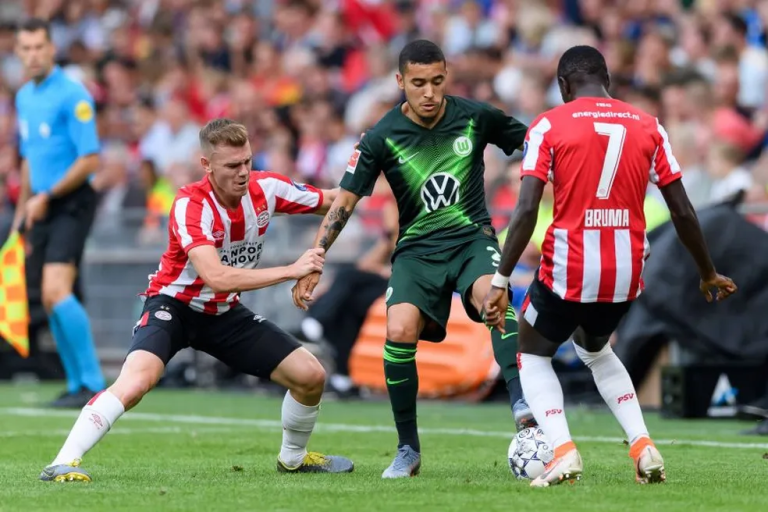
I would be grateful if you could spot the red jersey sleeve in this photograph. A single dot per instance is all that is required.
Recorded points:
(537, 151)
(289, 197)
(664, 169)
(192, 219)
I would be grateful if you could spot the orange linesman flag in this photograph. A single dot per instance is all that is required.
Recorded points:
(14, 309)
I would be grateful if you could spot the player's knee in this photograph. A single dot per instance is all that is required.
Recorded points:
(480, 289)
(131, 389)
(589, 358)
(402, 332)
(589, 344)
(531, 342)
(404, 323)
(139, 375)
(311, 382)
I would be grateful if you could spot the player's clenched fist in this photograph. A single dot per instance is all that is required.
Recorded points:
(495, 307)
(311, 261)
(302, 290)
(724, 285)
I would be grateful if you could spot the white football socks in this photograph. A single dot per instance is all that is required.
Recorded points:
(94, 422)
(615, 386)
(544, 395)
(298, 423)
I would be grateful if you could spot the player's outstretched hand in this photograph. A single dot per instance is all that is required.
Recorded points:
(311, 261)
(495, 308)
(725, 287)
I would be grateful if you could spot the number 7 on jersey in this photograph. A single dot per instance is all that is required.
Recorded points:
(616, 134)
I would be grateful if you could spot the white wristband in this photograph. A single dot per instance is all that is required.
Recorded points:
(500, 281)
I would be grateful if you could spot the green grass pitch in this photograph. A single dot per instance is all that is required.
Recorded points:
(206, 451)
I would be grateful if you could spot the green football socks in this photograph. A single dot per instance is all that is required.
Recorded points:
(403, 386)
(505, 352)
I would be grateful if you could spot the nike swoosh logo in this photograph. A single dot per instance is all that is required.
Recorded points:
(505, 336)
(403, 160)
(393, 382)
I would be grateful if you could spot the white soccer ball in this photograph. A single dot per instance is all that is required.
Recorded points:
(529, 452)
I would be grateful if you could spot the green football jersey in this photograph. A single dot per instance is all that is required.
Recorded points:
(436, 174)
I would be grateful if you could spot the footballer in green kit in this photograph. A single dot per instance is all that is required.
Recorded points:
(430, 149)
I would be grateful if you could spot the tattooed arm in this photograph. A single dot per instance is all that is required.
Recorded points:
(334, 221)
(336, 218)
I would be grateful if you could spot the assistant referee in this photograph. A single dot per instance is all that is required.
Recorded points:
(59, 146)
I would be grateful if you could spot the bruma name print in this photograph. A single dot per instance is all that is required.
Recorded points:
(606, 218)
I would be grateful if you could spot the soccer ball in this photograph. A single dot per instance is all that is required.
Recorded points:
(529, 452)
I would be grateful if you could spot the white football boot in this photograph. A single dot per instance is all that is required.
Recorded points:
(566, 466)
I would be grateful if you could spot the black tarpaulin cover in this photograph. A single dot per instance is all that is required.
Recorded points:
(672, 307)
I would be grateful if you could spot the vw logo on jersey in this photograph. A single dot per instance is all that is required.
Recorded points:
(462, 146)
(45, 130)
(440, 191)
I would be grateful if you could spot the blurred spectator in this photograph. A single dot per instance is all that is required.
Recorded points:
(697, 181)
(724, 162)
(730, 31)
(174, 137)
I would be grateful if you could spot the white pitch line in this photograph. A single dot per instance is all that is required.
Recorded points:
(343, 427)
(118, 430)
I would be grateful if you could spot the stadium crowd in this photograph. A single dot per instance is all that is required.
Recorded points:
(308, 76)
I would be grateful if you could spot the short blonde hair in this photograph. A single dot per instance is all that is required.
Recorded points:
(222, 132)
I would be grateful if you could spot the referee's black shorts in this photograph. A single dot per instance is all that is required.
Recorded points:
(239, 338)
(557, 319)
(60, 237)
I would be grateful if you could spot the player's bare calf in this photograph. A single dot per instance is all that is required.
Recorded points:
(141, 372)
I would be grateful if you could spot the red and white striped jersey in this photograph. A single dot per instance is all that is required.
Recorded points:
(197, 218)
(599, 154)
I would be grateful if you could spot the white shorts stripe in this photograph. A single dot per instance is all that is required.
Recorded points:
(531, 314)
(590, 284)
(624, 265)
(560, 263)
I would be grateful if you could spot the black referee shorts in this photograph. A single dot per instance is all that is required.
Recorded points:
(557, 319)
(239, 338)
(60, 237)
